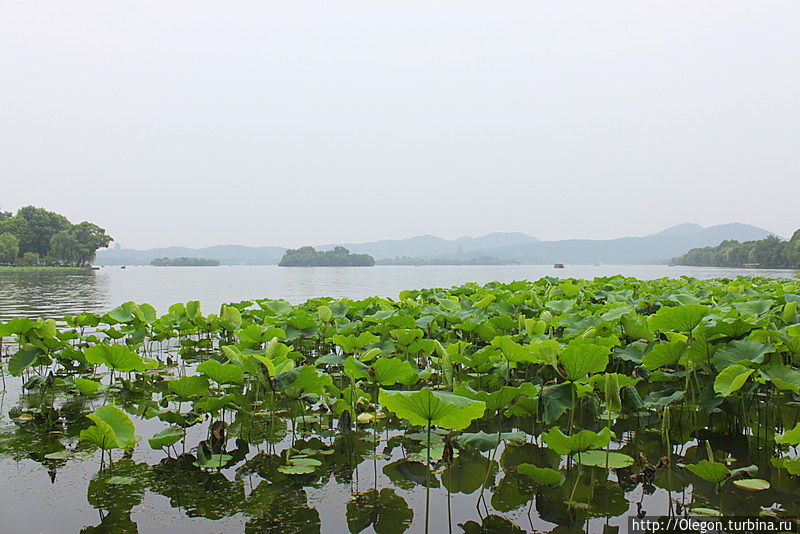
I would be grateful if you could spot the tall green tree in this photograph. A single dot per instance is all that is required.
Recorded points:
(45, 234)
(9, 248)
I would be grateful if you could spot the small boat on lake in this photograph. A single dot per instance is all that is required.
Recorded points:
(558, 266)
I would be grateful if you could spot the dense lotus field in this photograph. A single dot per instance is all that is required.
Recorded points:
(560, 405)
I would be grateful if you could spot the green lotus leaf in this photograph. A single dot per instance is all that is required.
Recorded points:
(543, 476)
(583, 440)
(783, 377)
(604, 459)
(117, 357)
(752, 484)
(731, 379)
(789, 437)
(683, 318)
(715, 472)
(514, 352)
(221, 373)
(753, 307)
(87, 386)
(741, 351)
(389, 371)
(579, 360)
(425, 407)
(23, 358)
(212, 404)
(663, 354)
(189, 387)
(17, 326)
(112, 429)
(165, 438)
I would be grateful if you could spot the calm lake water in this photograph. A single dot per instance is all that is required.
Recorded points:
(55, 294)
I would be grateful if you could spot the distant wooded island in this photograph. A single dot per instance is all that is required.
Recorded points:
(481, 260)
(184, 262)
(338, 257)
(768, 253)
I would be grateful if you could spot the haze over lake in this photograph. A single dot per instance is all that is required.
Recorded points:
(54, 294)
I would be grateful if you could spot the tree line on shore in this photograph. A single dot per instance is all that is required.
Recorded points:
(769, 253)
(35, 236)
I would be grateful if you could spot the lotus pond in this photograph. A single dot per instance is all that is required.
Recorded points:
(554, 405)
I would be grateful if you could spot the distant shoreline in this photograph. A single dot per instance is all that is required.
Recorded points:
(43, 268)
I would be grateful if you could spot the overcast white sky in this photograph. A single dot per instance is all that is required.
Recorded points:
(302, 122)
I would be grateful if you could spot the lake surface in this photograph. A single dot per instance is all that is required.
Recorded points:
(55, 294)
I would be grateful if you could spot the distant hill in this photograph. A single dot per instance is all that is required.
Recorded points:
(429, 246)
(424, 246)
(226, 254)
(515, 246)
(654, 248)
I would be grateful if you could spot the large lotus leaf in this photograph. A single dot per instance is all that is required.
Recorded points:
(543, 476)
(743, 351)
(715, 472)
(307, 379)
(514, 352)
(112, 429)
(118, 357)
(221, 373)
(389, 371)
(425, 407)
(579, 360)
(783, 377)
(17, 326)
(636, 327)
(355, 369)
(189, 387)
(583, 440)
(212, 404)
(351, 343)
(276, 307)
(23, 358)
(663, 354)
(789, 437)
(500, 399)
(387, 512)
(753, 307)
(731, 379)
(87, 386)
(483, 441)
(604, 459)
(683, 318)
(556, 400)
(731, 328)
(407, 336)
(123, 313)
(165, 438)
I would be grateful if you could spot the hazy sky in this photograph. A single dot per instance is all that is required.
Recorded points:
(300, 122)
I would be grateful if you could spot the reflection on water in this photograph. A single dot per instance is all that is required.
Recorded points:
(51, 293)
(55, 294)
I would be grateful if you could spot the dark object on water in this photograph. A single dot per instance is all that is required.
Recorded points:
(122, 267)
(558, 266)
